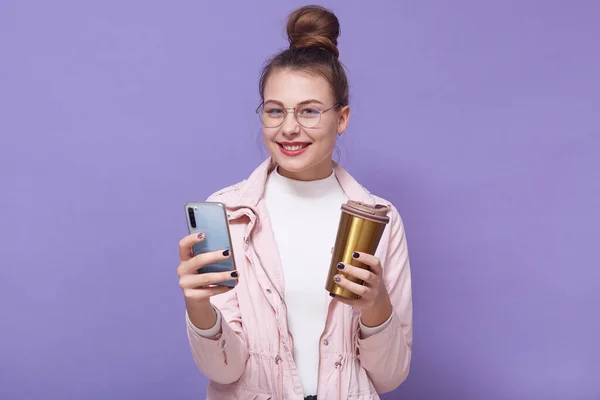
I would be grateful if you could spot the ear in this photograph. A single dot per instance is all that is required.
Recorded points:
(343, 119)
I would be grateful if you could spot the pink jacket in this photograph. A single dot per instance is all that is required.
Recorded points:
(252, 357)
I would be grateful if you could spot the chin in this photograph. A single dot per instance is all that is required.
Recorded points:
(294, 165)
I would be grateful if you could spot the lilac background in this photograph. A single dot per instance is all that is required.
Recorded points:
(479, 120)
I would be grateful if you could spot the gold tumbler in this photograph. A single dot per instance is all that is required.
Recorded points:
(360, 229)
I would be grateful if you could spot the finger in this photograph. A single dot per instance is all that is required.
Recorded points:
(185, 245)
(369, 260)
(360, 273)
(194, 281)
(192, 265)
(355, 288)
(205, 293)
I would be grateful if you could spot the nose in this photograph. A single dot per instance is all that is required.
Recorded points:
(290, 125)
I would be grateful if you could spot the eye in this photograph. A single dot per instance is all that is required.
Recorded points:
(274, 111)
(309, 111)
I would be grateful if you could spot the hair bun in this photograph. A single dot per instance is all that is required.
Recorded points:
(314, 26)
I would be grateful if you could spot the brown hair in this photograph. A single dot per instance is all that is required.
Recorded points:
(312, 32)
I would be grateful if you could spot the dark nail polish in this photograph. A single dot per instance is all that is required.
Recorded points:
(226, 253)
(355, 255)
(234, 274)
(201, 235)
(340, 266)
(337, 279)
(332, 295)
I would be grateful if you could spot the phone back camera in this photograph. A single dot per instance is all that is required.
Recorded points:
(192, 217)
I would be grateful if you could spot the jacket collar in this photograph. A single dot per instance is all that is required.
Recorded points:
(252, 190)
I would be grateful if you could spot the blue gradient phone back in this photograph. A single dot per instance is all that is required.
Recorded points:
(211, 219)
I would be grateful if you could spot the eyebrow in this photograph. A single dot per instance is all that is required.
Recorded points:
(299, 104)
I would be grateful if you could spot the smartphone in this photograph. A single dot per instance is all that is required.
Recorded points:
(211, 219)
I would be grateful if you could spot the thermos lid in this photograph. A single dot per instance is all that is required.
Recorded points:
(377, 213)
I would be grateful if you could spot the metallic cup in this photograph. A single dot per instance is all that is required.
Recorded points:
(360, 229)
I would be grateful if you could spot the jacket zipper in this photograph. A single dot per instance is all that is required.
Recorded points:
(278, 360)
(281, 381)
(338, 366)
(236, 214)
(320, 344)
(319, 367)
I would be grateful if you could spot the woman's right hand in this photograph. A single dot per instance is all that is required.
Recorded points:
(196, 287)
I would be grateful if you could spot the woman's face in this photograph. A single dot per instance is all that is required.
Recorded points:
(303, 153)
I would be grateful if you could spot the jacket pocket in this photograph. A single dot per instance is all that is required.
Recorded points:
(238, 392)
(249, 394)
(263, 397)
(363, 395)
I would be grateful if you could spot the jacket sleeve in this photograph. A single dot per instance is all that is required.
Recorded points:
(386, 355)
(221, 358)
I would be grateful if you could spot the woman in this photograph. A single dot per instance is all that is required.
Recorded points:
(278, 334)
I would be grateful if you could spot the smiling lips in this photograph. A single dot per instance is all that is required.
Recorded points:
(293, 149)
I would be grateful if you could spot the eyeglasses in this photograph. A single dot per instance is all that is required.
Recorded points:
(308, 115)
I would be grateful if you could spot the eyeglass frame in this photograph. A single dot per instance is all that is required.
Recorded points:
(295, 115)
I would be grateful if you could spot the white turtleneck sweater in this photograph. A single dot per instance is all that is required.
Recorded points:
(304, 217)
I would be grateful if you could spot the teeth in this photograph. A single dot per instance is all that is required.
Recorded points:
(293, 148)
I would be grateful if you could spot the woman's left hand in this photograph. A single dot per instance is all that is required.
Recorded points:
(373, 294)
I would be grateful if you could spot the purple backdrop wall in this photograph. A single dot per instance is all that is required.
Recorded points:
(479, 120)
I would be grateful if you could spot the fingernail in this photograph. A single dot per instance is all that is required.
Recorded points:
(332, 295)
(234, 274)
(355, 255)
(201, 235)
(226, 253)
(340, 266)
(337, 278)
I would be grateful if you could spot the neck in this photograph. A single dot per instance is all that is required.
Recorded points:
(316, 172)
